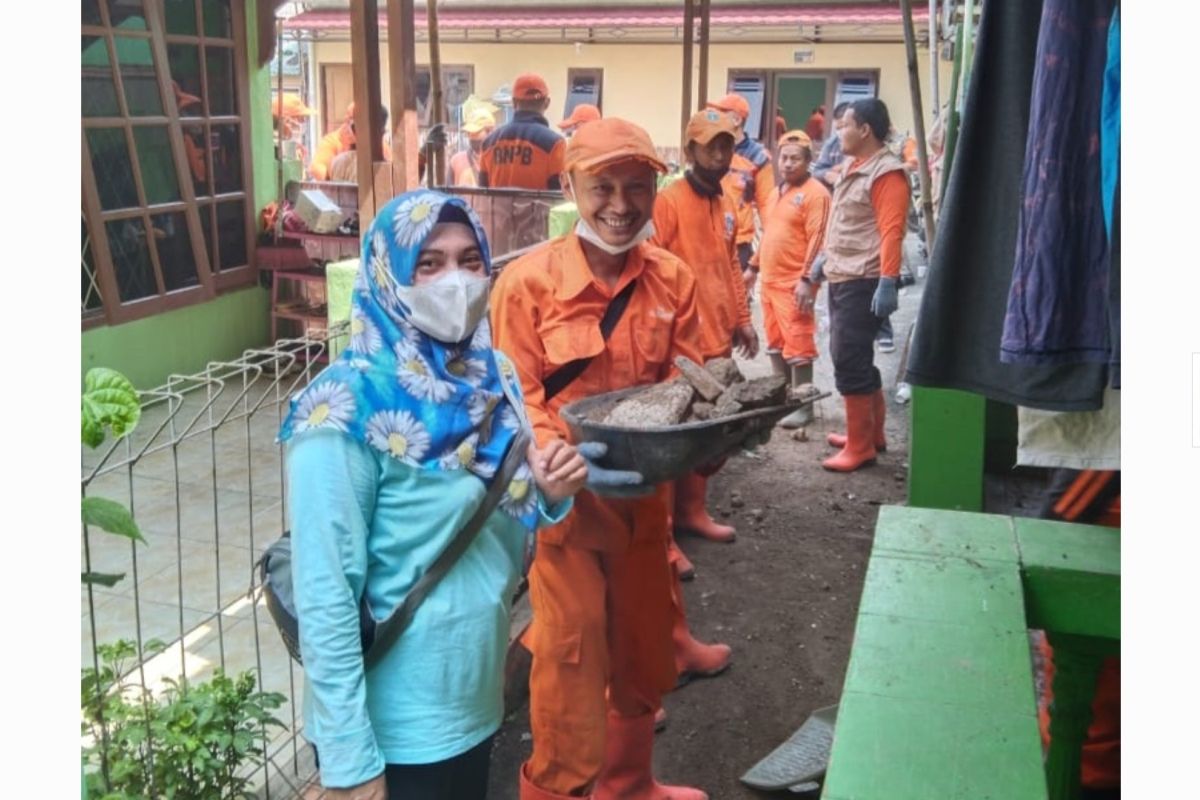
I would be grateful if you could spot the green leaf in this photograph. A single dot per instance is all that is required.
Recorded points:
(109, 401)
(101, 578)
(111, 516)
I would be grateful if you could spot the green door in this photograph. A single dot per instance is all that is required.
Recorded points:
(798, 95)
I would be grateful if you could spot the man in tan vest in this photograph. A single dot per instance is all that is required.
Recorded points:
(862, 264)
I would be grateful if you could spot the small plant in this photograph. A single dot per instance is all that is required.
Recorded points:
(109, 402)
(194, 743)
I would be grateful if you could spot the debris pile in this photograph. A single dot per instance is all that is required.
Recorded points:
(718, 389)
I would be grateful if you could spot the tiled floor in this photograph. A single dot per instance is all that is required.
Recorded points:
(207, 503)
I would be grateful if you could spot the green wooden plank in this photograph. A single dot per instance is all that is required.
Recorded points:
(1073, 603)
(970, 535)
(1072, 577)
(889, 748)
(946, 449)
(942, 663)
(944, 589)
(1069, 546)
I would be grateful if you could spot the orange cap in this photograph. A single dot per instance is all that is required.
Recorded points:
(732, 102)
(796, 137)
(293, 106)
(530, 86)
(584, 112)
(609, 141)
(706, 125)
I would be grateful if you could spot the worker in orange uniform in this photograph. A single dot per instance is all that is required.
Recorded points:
(525, 153)
(584, 112)
(793, 235)
(863, 251)
(464, 165)
(597, 310)
(337, 141)
(815, 127)
(697, 221)
(751, 165)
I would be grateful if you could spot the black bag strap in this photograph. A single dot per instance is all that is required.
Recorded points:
(387, 631)
(562, 377)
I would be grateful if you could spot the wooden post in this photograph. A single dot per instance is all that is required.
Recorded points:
(702, 84)
(934, 39)
(435, 167)
(689, 23)
(914, 86)
(368, 124)
(402, 69)
(952, 115)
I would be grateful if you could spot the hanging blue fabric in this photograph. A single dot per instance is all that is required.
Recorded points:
(1110, 123)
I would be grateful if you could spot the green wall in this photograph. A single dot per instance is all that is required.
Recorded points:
(182, 341)
(185, 340)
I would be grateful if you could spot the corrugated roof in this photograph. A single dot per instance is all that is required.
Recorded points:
(650, 17)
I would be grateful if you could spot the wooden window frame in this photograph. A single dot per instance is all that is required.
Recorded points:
(210, 282)
(594, 72)
(770, 77)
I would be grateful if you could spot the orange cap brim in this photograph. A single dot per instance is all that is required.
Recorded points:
(597, 163)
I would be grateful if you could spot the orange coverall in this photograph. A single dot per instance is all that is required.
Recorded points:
(739, 184)
(332, 144)
(600, 586)
(702, 232)
(793, 234)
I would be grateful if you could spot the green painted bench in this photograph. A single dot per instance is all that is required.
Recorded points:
(938, 701)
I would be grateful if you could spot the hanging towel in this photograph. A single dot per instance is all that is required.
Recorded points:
(1058, 300)
(957, 340)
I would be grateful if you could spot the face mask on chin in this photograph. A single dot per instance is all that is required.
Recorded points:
(449, 308)
(589, 234)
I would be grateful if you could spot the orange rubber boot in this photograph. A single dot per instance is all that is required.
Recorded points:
(626, 775)
(879, 409)
(679, 561)
(691, 493)
(693, 659)
(860, 447)
(530, 791)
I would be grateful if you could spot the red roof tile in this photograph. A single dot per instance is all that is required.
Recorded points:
(452, 19)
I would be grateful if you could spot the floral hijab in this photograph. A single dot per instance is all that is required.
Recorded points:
(429, 404)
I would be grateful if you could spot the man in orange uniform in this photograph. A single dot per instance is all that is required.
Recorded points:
(331, 145)
(815, 127)
(464, 165)
(600, 586)
(753, 170)
(584, 112)
(793, 234)
(525, 153)
(863, 250)
(697, 221)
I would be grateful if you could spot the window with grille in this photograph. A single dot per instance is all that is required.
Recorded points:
(583, 86)
(458, 82)
(167, 219)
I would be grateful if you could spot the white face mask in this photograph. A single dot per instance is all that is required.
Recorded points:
(588, 233)
(449, 308)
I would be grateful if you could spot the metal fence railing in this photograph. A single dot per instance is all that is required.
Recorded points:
(203, 477)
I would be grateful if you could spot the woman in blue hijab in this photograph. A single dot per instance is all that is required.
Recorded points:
(390, 451)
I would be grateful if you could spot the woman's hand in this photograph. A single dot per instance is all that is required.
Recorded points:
(558, 470)
(374, 789)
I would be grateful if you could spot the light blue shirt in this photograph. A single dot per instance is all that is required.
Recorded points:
(361, 520)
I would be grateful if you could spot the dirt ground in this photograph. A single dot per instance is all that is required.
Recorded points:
(784, 596)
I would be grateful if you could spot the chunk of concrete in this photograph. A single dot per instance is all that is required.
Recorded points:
(724, 370)
(701, 379)
(758, 393)
(657, 406)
